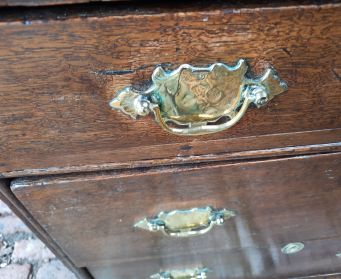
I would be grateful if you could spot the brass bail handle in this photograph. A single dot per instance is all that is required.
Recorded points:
(186, 223)
(193, 100)
(195, 273)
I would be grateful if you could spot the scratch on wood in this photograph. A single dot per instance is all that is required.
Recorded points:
(129, 71)
(287, 51)
(336, 75)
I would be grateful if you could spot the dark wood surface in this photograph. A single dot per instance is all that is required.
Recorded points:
(55, 115)
(318, 257)
(137, 3)
(7, 196)
(278, 201)
(10, 3)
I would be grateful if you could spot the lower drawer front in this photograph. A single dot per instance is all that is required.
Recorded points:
(318, 257)
(276, 202)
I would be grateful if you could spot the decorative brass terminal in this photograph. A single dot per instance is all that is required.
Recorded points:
(195, 101)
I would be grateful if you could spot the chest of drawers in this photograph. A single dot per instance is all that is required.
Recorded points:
(117, 197)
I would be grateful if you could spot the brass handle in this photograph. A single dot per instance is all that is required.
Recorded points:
(196, 273)
(197, 101)
(185, 223)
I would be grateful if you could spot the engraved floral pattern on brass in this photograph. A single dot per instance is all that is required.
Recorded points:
(196, 273)
(190, 100)
(185, 223)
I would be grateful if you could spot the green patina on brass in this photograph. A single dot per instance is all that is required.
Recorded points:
(194, 98)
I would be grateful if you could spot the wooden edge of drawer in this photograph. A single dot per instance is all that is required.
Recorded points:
(43, 3)
(262, 147)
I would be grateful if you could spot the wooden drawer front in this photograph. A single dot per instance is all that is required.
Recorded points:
(277, 201)
(318, 257)
(56, 115)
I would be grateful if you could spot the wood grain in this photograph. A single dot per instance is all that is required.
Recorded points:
(55, 113)
(316, 259)
(278, 201)
(7, 196)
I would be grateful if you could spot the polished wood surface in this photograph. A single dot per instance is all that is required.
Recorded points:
(91, 216)
(7, 196)
(57, 76)
(318, 257)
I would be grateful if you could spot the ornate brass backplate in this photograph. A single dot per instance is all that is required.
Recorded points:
(191, 100)
(185, 223)
(195, 273)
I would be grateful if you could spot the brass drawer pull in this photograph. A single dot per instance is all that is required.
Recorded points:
(196, 101)
(185, 223)
(197, 273)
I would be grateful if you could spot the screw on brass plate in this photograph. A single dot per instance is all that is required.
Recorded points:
(292, 248)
